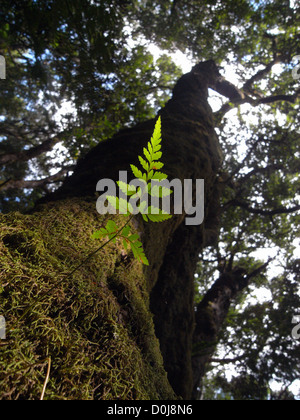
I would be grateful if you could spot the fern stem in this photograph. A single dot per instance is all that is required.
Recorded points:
(47, 379)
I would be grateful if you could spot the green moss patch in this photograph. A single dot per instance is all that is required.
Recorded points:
(94, 325)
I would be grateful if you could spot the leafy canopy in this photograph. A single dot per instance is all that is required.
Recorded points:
(93, 55)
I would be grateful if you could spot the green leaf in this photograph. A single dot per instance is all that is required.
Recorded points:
(159, 176)
(126, 231)
(156, 137)
(145, 217)
(147, 155)
(99, 234)
(150, 174)
(126, 188)
(134, 237)
(157, 215)
(113, 201)
(136, 172)
(111, 226)
(157, 148)
(158, 191)
(138, 252)
(142, 206)
(120, 204)
(156, 156)
(130, 209)
(156, 165)
(124, 206)
(144, 164)
(152, 154)
(112, 237)
(150, 148)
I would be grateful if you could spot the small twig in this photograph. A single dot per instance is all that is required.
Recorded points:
(46, 379)
(243, 204)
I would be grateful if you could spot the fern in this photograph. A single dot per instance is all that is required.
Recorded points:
(149, 177)
(151, 165)
(113, 232)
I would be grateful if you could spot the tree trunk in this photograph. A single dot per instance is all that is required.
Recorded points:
(210, 315)
(97, 325)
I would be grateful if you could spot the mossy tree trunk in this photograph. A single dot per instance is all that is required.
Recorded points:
(97, 325)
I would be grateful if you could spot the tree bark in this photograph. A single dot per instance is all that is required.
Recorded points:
(190, 151)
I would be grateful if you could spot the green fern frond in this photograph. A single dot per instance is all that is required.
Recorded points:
(151, 165)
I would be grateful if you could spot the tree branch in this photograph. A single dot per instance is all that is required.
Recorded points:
(243, 95)
(246, 206)
(33, 152)
(255, 102)
(259, 75)
(21, 184)
(275, 98)
(264, 170)
(228, 360)
(227, 179)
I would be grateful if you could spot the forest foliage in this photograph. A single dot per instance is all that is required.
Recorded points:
(95, 57)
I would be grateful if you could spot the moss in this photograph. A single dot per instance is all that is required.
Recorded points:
(95, 325)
